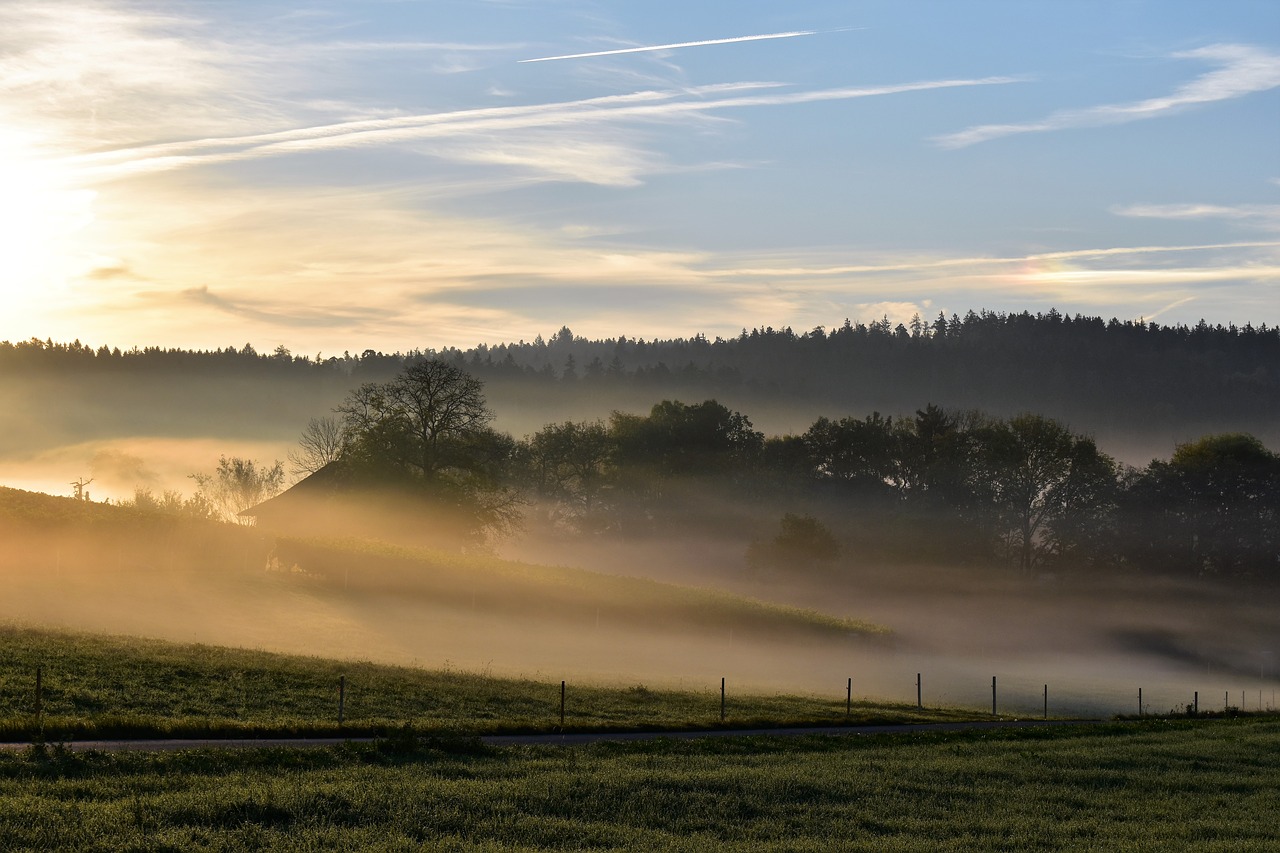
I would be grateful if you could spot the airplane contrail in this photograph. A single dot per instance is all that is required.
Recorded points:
(638, 106)
(675, 46)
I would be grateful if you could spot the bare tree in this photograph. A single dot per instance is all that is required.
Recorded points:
(81, 486)
(321, 443)
(239, 484)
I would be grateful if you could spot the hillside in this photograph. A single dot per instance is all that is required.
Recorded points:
(87, 566)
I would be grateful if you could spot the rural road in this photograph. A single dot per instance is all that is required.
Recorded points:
(549, 739)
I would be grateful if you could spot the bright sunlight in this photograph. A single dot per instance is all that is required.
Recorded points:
(41, 212)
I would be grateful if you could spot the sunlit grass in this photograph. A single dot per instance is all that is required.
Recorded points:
(1135, 786)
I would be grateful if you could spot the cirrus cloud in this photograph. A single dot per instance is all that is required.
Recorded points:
(1243, 70)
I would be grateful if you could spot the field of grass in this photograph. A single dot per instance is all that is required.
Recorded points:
(1203, 785)
(100, 686)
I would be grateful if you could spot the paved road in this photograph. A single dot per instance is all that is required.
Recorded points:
(553, 740)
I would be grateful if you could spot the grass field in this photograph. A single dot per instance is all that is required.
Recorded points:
(95, 686)
(1203, 785)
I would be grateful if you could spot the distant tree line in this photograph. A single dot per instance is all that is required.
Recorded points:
(1063, 366)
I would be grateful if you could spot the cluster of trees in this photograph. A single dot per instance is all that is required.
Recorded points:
(1026, 483)
(236, 484)
(426, 436)
(939, 485)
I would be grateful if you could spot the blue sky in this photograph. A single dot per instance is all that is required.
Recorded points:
(338, 175)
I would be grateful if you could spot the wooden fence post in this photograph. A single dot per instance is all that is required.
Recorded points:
(848, 698)
(342, 697)
(721, 698)
(562, 705)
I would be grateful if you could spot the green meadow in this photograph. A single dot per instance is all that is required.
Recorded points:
(1155, 785)
(107, 686)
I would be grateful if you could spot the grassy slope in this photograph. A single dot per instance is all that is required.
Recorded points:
(106, 686)
(1151, 786)
(62, 531)
(501, 585)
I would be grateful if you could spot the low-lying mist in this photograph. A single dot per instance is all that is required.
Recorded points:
(1094, 641)
(114, 469)
(1093, 638)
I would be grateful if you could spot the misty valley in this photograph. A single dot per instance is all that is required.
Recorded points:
(508, 425)
(670, 543)
(431, 550)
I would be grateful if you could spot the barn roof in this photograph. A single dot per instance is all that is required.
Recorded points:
(325, 482)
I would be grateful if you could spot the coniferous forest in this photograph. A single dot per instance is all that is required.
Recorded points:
(1103, 376)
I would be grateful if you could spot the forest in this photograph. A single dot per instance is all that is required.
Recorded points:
(1103, 374)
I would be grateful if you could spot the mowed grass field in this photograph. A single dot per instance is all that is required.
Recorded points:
(110, 686)
(1154, 785)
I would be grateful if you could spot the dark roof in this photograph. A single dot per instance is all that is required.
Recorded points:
(327, 481)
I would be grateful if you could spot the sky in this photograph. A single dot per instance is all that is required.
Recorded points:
(399, 174)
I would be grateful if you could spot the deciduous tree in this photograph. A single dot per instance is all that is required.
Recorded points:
(238, 484)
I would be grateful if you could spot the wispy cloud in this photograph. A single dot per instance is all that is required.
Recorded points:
(422, 277)
(85, 71)
(290, 315)
(675, 46)
(412, 46)
(1243, 70)
(652, 106)
(1262, 215)
(911, 265)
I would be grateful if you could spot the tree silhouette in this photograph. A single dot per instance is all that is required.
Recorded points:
(321, 443)
(423, 422)
(426, 433)
(1212, 509)
(1045, 482)
(801, 542)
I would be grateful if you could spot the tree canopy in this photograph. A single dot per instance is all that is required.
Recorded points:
(426, 433)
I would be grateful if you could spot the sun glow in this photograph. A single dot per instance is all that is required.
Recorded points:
(41, 212)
